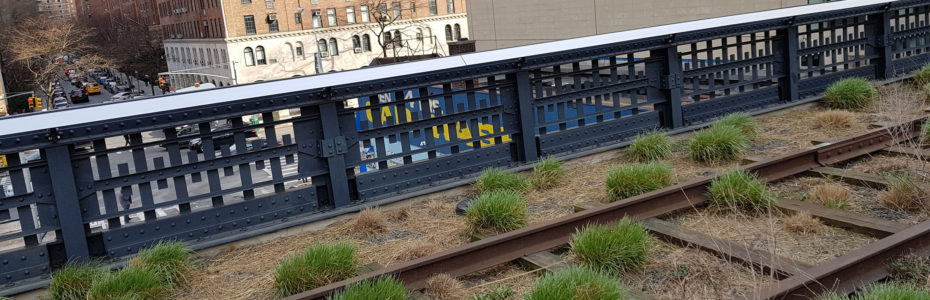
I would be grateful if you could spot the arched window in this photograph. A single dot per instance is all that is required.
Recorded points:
(366, 43)
(221, 84)
(216, 56)
(356, 42)
(398, 39)
(214, 82)
(300, 51)
(291, 47)
(209, 58)
(429, 34)
(448, 33)
(249, 57)
(321, 46)
(420, 36)
(260, 55)
(202, 57)
(458, 32)
(388, 38)
(333, 47)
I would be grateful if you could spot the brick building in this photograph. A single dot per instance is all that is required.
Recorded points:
(58, 9)
(242, 41)
(113, 17)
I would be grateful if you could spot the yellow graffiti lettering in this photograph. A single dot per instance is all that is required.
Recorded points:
(464, 132)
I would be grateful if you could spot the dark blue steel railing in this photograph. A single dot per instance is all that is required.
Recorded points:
(362, 137)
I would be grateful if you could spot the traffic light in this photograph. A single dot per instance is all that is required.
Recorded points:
(31, 102)
(38, 103)
(161, 81)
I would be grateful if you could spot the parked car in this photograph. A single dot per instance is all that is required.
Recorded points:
(75, 82)
(79, 96)
(121, 96)
(183, 131)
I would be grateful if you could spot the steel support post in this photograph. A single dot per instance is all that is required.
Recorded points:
(66, 202)
(528, 150)
(786, 61)
(878, 30)
(333, 147)
(666, 79)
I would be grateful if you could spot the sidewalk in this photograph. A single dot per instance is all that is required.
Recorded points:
(139, 84)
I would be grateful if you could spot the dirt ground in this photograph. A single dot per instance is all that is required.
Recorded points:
(248, 273)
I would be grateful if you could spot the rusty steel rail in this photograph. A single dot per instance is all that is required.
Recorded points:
(512, 245)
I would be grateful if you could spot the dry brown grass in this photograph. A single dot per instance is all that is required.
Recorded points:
(905, 194)
(369, 222)
(444, 287)
(834, 119)
(802, 223)
(830, 194)
(417, 249)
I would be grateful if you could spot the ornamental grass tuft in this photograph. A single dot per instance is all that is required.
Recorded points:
(130, 283)
(742, 121)
(170, 260)
(73, 281)
(381, 288)
(614, 248)
(497, 179)
(650, 146)
(740, 190)
(850, 93)
(631, 180)
(717, 143)
(577, 283)
(497, 211)
(547, 174)
(318, 265)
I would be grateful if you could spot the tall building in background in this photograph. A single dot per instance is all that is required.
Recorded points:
(111, 18)
(57, 9)
(495, 24)
(243, 41)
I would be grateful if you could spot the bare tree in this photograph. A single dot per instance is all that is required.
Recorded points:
(40, 44)
(391, 21)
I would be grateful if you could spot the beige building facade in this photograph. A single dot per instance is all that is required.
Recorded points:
(496, 24)
(261, 40)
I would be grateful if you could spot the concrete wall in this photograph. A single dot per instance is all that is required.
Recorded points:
(507, 23)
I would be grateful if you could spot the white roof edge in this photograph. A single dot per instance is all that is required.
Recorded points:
(84, 115)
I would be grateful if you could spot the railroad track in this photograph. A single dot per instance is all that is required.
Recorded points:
(797, 280)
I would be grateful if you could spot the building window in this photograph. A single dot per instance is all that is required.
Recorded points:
(216, 56)
(246, 1)
(413, 9)
(249, 57)
(350, 14)
(333, 47)
(202, 61)
(365, 15)
(432, 7)
(396, 10)
(249, 24)
(450, 6)
(420, 36)
(398, 39)
(458, 32)
(269, 3)
(356, 43)
(388, 40)
(317, 18)
(260, 55)
(321, 46)
(225, 59)
(331, 16)
(297, 18)
(300, 51)
(448, 33)
(273, 23)
(366, 43)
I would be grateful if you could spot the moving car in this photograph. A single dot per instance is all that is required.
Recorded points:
(61, 103)
(226, 139)
(92, 88)
(121, 96)
(79, 96)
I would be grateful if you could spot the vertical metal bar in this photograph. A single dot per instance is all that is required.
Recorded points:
(245, 174)
(104, 172)
(174, 158)
(275, 162)
(18, 180)
(878, 31)
(664, 71)
(786, 61)
(338, 181)
(527, 136)
(209, 153)
(66, 201)
(141, 165)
